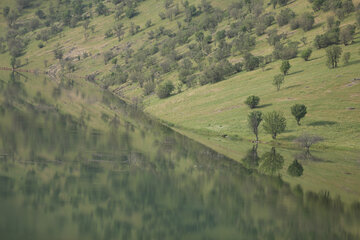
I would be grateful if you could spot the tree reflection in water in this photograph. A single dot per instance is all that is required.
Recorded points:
(140, 180)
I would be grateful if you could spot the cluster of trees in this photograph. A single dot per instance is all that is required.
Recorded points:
(274, 122)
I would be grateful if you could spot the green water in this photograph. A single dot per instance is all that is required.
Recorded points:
(61, 178)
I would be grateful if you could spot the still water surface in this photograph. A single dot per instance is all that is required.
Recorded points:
(60, 178)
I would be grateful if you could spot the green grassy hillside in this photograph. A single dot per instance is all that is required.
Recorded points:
(332, 96)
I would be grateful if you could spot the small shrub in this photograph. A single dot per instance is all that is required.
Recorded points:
(346, 58)
(41, 45)
(252, 101)
(306, 54)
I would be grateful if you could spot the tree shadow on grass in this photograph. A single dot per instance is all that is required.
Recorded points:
(289, 138)
(293, 73)
(322, 123)
(293, 86)
(264, 105)
(351, 63)
(315, 58)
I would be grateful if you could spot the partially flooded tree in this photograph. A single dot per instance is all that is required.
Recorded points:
(254, 120)
(307, 140)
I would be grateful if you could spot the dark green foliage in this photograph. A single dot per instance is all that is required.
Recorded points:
(21, 4)
(148, 23)
(329, 38)
(6, 11)
(295, 169)
(252, 101)
(243, 43)
(217, 72)
(164, 89)
(306, 21)
(109, 33)
(274, 123)
(298, 111)
(13, 62)
(347, 34)
(286, 52)
(58, 52)
(130, 12)
(285, 67)
(40, 14)
(278, 81)
(149, 88)
(251, 62)
(305, 54)
(333, 54)
(108, 55)
(254, 120)
(346, 58)
(101, 9)
(285, 16)
(274, 38)
(40, 45)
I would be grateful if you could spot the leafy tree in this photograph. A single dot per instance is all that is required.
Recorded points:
(252, 101)
(274, 123)
(306, 54)
(306, 21)
(278, 81)
(148, 23)
(254, 120)
(295, 169)
(347, 34)
(119, 31)
(251, 160)
(333, 54)
(285, 67)
(130, 12)
(164, 89)
(251, 62)
(108, 55)
(58, 52)
(346, 57)
(285, 16)
(307, 140)
(299, 112)
(101, 9)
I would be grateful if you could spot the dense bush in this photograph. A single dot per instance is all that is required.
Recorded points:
(305, 54)
(164, 89)
(329, 38)
(251, 62)
(252, 101)
(295, 169)
(285, 16)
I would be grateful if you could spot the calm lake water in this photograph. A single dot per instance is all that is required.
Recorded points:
(61, 178)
